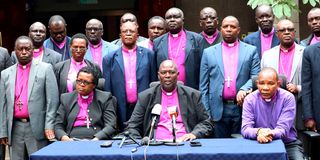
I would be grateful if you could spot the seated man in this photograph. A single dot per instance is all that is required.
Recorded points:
(269, 112)
(192, 120)
(86, 113)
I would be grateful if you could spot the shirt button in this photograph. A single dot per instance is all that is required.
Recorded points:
(88, 110)
(94, 128)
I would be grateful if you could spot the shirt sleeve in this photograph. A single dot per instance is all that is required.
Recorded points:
(248, 129)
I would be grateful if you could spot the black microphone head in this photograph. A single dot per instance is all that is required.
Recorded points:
(144, 141)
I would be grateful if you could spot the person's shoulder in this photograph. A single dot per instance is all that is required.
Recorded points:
(102, 95)
(188, 90)
(285, 94)
(61, 64)
(251, 36)
(3, 50)
(67, 97)
(52, 52)
(8, 70)
(249, 46)
(158, 39)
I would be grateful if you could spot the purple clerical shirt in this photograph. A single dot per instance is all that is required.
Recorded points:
(210, 39)
(230, 52)
(176, 52)
(73, 71)
(278, 115)
(82, 118)
(315, 39)
(21, 91)
(96, 52)
(130, 63)
(286, 61)
(61, 45)
(164, 130)
(266, 41)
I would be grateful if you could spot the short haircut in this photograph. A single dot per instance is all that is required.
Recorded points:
(56, 18)
(80, 36)
(156, 17)
(90, 70)
(23, 37)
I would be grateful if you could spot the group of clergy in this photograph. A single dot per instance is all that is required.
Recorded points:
(83, 87)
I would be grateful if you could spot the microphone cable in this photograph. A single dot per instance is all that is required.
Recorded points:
(145, 149)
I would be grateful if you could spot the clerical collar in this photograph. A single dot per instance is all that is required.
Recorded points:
(176, 35)
(212, 36)
(24, 66)
(95, 46)
(37, 52)
(126, 50)
(286, 50)
(75, 62)
(61, 45)
(87, 97)
(272, 98)
(169, 93)
(230, 44)
(268, 34)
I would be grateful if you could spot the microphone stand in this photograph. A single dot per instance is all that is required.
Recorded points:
(174, 128)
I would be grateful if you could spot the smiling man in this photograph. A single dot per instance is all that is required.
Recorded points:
(128, 71)
(209, 24)
(192, 119)
(314, 24)
(225, 78)
(269, 112)
(265, 37)
(181, 46)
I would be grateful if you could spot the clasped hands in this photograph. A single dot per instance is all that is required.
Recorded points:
(264, 135)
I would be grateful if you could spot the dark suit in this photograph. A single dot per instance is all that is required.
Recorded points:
(5, 62)
(49, 56)
(255, 40)
(310, 78)
(194, 116)
(102, 114)
(192, 58)
(61, 71)
(64, 51)
(113, 73)
(306, 42)
(206, 44)
(212, 78)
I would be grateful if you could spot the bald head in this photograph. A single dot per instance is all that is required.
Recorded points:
(168, 75)
(37, 33)
(128, 17)
(94, 31)
(94, 21)
(175, 20)
(231, 19)
(230, 29)
(208, 20)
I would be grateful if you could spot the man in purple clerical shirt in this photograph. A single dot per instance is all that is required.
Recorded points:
(268, 113)
(314, 24)
(209, 25)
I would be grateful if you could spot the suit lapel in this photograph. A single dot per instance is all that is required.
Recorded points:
(164, 46)
(46, 56)
(119, 59)
(183, 107)
(140, 55)
(259, 43)
(296, 59)
(64, 74)
(219, 58)
(242, 53)
(12, 81)
(189, 42)
(74, 109)
(32, 77)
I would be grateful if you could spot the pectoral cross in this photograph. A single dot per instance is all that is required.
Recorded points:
(228, 80)
(87, 122)
(19, 104)
(130, 83)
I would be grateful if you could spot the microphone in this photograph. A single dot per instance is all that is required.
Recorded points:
(156, 111)
(173, 114)
(127, 134)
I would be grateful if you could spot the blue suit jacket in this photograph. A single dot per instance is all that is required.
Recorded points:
(113, 72)
(65, 51)
(193, 56)
(107, 48)
(254, 39)
(212, 75)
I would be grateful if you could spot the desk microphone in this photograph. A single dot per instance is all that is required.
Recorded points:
(127, 135)
(173, 114)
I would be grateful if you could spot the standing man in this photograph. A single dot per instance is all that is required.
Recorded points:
(28, 100)
(192, 119)
(209, 24)
(156, 28)
(97, 48)
(128, 71)
(314, 24)
(5, 62)
(225, 78)
(181, 46)
(265, 38)
(128, 17)
(58, 41)
(37, 33)
(286, 59)
(268, 114)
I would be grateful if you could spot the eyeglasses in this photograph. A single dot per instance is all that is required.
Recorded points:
(84, 82)
(286, 29)
(93, 29)
(81, 49)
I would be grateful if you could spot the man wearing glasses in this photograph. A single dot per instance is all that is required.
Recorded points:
(66, 71)
(97, 48)
(58, 41)
(265, 38)
(286, 59)
(209, 23)
(86, 113)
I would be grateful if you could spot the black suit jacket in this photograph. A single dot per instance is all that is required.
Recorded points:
(195, 118)
(5, 60)
(310, 83)
(61, 71)
(194, 48)
(102, 114)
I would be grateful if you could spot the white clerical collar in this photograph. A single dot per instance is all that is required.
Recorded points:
(268, 100)
(169, 93)
(175, 35)
(85, 97)
(231, 44)
(24, 67)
